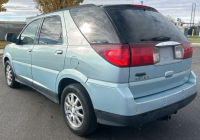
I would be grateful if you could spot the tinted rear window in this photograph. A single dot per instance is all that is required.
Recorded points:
(95, 25)
(134, 25)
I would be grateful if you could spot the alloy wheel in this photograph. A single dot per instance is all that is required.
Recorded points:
(74, 110)
(9, 74)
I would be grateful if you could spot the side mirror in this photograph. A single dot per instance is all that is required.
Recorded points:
(11, 37)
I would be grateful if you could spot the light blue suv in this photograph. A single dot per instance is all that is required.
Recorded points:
(118, 65)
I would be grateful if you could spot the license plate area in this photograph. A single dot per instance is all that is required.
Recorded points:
(166, 54)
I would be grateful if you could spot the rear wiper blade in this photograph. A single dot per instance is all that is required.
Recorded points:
(161, 38)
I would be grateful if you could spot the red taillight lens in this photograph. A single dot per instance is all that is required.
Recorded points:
(188, 50)
(142, 54)
(133, 55)
(117, 55)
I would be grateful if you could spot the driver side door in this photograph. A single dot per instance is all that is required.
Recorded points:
(21, 54)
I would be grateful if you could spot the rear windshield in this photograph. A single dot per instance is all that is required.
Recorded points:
(142, 25)
(95, 25)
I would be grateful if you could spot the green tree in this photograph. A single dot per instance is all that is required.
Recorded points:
(3, 9)
(45, 6)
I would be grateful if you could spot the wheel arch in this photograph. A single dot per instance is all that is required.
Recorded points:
(6, 57)
(63, 83)
(67, 77)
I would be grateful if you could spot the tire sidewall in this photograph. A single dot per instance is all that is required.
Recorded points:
(86, 107)
(13, 77)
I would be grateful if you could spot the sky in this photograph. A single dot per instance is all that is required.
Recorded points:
(18, 10)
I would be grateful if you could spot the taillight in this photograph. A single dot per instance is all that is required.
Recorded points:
(126, 55)
(144, 54)
(188, 50)
(118, 55)
(178, 52)
(156, 55)
(141, 54)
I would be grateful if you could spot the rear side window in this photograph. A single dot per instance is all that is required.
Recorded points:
(139, 25)
(95, 25)
(51, 31)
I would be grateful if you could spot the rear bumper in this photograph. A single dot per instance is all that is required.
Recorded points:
(119, 100)
(119, 120)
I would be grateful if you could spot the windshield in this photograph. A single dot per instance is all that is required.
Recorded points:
(143, 25)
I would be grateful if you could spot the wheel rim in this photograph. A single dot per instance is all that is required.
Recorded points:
(74, 110)
(9, 74)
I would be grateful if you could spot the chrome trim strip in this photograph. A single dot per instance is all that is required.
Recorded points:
(168, 43)
(34, 82)
(24, 79)
(46, 91)
(31, 80)
(157, 79)
(106, 84)
(167, 62)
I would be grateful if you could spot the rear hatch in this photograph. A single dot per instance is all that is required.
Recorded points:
(160, 53)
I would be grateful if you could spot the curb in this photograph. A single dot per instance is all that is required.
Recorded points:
(196, 44)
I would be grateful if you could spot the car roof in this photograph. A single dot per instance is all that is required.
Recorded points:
(93, 5)
(73, 7)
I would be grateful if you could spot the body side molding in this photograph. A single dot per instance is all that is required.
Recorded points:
(38, 87)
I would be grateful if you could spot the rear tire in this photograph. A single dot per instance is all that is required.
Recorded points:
(10, 77)
(78, 110)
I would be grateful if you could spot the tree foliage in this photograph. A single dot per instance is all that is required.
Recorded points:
(3, 9)
(45, 6)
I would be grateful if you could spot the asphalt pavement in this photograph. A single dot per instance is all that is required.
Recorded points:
(26, 114)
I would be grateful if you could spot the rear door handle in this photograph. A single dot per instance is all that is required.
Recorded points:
(169, 73)
(59, 52)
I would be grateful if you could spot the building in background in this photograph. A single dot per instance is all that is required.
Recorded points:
(185, 27)
(10, 27)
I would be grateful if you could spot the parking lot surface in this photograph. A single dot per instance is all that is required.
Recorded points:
(27, 114)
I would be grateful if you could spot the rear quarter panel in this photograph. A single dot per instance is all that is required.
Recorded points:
(82, 57)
